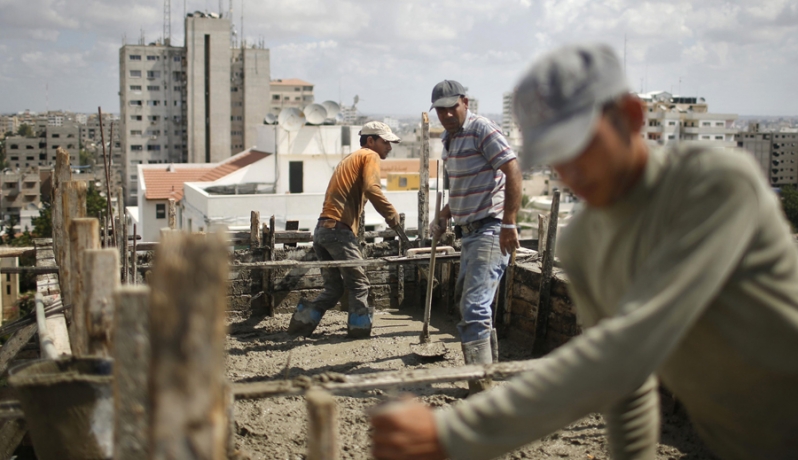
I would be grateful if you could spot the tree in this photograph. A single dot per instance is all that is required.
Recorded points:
(26, 130)
(10, 232)
(789, 203)
(43, 225)
(95, 203)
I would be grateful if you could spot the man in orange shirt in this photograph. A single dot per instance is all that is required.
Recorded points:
(355, 179)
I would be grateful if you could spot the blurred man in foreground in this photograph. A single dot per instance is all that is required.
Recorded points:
(682, 269)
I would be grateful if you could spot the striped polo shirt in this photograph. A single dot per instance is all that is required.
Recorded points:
(472, 158)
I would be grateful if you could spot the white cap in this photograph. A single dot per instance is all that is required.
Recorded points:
(379, 128)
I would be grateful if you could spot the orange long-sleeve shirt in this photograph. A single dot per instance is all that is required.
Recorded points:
(355, 179)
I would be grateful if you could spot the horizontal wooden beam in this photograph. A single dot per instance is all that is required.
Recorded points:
(16, 252)
(342, 383)
(29, 269)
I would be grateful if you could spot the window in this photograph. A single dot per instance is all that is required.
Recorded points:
(135, 117)
(706, 123)
(135, 132)
(234, 89)
(177, 58)
(135, 57)
(134, 177)
(153, 74)
(153, 103)
(14, 146)
(297, 98)
(136, 148)
(153, 117)
(152, 58)
(297, 89)
(720, 123)
(718, 138)
(275, 97)
(56, 146)
(176, 75)
(56, 135)
(153, 132)
(43, 156)
(135, 74)
(135, 87)
(307, 88)
(160, 211)
(153, 88)
(153, 148)
(135, 103)
(177, 88)
(671, 123)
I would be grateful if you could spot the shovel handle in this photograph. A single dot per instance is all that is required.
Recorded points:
(430, 283)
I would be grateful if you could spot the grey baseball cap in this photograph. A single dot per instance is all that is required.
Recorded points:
(447, 93)
(559, 100)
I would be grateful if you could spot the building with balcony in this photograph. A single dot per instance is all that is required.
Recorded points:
(671, 119)
(25, 152)
(290, 92)
(776, 152)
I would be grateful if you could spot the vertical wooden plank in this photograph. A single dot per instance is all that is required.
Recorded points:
(400, 269)
(291, 225)
(84, 234)
(172, 213)
(101, 279)
(254, 230)
(268, 275)
(73, 205)
(547, 266)
(322, 425)
(131, 354)
(423, 191)
(134, 257)
(509, 284)
(61, 175)
(187, 327)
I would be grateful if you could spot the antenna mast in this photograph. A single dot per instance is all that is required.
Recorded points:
(243, 45)
(167, 22)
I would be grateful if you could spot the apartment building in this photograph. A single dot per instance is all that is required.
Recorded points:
(509, 126)
(776, 152)
(20, 196)
(671, 119)
(199, 103)
(24, 152)
(290, 92)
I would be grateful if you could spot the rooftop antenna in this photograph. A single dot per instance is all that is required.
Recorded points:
(243, 44)
(167, 22)
(221, 8)
(141, 38)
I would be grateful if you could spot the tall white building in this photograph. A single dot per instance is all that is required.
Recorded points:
(199, 103)
(509, 126)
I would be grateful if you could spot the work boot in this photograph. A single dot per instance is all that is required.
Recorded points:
(359, 325)
(478, 352)
(304, 320)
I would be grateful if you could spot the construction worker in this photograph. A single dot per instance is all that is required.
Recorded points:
(354, 180)
(485, 194)
(682, 269)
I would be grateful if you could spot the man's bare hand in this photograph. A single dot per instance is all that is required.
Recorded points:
(405, 431)
(508, 240)
(436, 228)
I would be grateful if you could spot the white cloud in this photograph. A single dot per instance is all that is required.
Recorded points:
(740, 55)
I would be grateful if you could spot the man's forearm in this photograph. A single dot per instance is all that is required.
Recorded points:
(512, 191)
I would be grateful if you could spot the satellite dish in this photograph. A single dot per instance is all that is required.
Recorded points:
(315, 114)
(270, 119)
(332, 108)
(291, 119)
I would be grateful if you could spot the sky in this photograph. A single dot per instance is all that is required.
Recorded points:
(741, 56)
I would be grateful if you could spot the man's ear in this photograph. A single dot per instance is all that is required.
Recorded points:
(464, 101)
(633, 108)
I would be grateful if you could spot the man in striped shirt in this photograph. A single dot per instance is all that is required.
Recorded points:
(485, 194)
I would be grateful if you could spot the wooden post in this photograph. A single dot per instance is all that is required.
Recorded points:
(543, 231)
(547, 266)
(131, 353)
(268, 275)
(400, 269)
(172, 214)
(124, 249)
(187, 336)
(254, 230)
(423, 190)
(361, 228)
(101, 279)
(84, 235)
(135, 257)
(73, 205)
(61, 175)
(322, 425)
(509, 282)
(291, 225)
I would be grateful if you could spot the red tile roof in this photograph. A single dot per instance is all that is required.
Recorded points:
(162, 184)
(291, 81)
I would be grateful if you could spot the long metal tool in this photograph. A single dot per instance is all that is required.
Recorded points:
(430, 284)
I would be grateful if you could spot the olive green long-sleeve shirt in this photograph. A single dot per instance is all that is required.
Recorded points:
(692, 278)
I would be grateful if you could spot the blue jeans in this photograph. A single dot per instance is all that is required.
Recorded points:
(340, 244)
(481, 268)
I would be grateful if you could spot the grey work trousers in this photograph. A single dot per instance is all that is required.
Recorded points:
(340, 244)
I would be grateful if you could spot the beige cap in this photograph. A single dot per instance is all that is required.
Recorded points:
(380, 129)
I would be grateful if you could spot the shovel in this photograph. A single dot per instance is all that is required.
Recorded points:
(426, 349)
